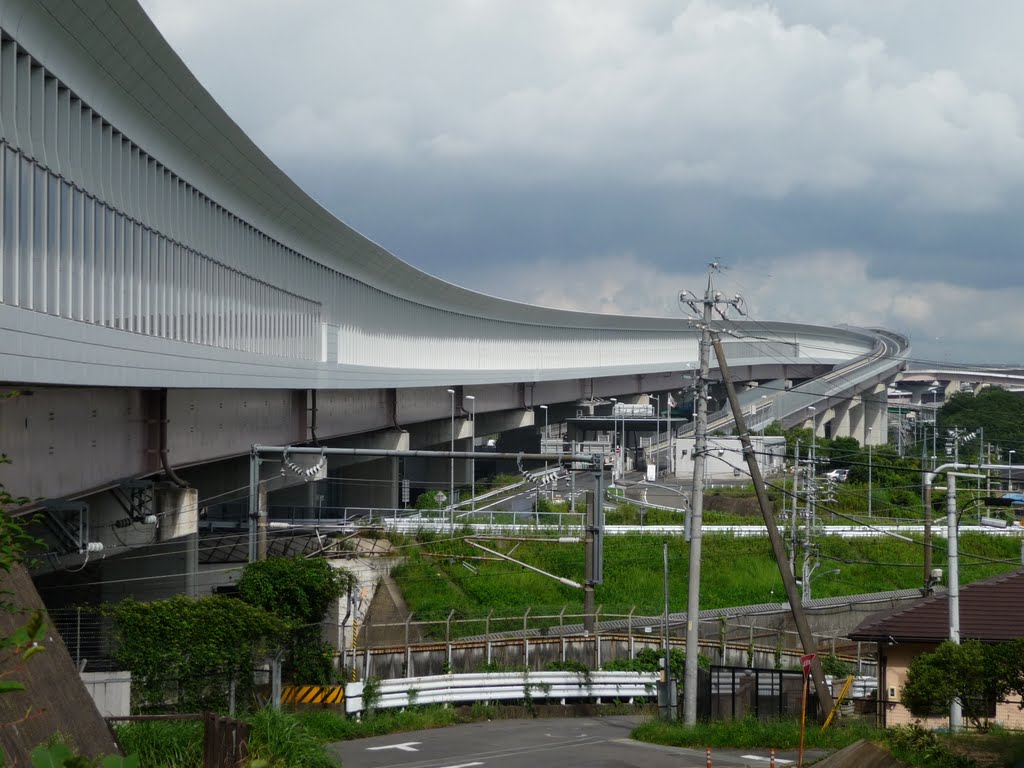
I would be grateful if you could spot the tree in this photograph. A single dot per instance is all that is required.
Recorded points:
(973, 672)
(299, 592)
(999, 412)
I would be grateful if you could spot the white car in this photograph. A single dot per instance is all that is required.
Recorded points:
(839, 475)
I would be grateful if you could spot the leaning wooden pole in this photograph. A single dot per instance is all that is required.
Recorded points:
(803, 628)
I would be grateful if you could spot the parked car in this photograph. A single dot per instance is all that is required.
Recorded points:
(839, 475)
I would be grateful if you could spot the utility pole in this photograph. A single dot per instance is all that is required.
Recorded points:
(588, 565)
(869, 473)
(803, 628)
(703, 310)
(792, 519)
(593, 559)
(926, 501)
(808, 569)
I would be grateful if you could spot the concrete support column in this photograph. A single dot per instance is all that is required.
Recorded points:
(177, 510)
(841, 419)
(876, 416)
(357, 482)
(855, 418)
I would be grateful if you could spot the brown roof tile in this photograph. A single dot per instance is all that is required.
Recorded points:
(989, 610)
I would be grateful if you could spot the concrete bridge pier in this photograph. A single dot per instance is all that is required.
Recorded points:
(855, 418)
(841, 418)
(876, 416)
(358, 481)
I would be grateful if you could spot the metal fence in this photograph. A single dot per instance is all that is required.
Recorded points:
(392, 649)
(88, 637)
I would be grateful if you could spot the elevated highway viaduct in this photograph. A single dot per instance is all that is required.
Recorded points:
(168, 297)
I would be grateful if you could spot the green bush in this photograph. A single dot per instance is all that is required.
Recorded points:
(834, 666)
(281, 738)
(183, 651)
(299, 591)
(164, 743)
(569, 665)
(919, 746)
(751, 733)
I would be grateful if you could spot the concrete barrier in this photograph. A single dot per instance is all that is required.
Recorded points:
(110, 691)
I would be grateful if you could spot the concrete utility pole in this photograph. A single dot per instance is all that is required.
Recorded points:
(796, 511)
(926, 502)
(589, 563)
(451, 472)
(703, 308)
(803, 628)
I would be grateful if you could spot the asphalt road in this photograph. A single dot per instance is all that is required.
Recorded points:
(564, 742)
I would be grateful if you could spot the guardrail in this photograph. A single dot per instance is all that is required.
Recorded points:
(500, 686)
(842, 531)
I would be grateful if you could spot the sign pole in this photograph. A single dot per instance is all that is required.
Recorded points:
(805, 662)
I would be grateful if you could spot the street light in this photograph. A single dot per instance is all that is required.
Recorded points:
(543, 450)
(615, 440)
(472, 492)
(451, 472)
(657, 431)
(869, 471)
(952, 545)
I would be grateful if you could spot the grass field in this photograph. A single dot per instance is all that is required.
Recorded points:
(736, 571)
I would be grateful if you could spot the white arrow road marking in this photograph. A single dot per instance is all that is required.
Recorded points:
(405, 747)
(778, 760)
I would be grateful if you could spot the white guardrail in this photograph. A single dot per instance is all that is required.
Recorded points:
(503, 686)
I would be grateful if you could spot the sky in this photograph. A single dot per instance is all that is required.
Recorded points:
(847, 162)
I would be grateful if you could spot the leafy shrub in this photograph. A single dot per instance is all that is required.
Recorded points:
(569, 665)
(834, 666)
(184, 650)
(923, 747)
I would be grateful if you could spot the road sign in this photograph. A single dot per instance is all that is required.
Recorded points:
(805, 662)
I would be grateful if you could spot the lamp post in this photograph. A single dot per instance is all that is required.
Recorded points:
(953, 590)
(472, 470)
(451, 472)
(869, 471)
(545, 409)
(657, 431)
(614, 440)
(1009, 475)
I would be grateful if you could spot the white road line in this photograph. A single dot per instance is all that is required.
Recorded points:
(460, 765)
(405, 747)
(778, 760)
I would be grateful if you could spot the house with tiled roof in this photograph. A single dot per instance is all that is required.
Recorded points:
(991, 611)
